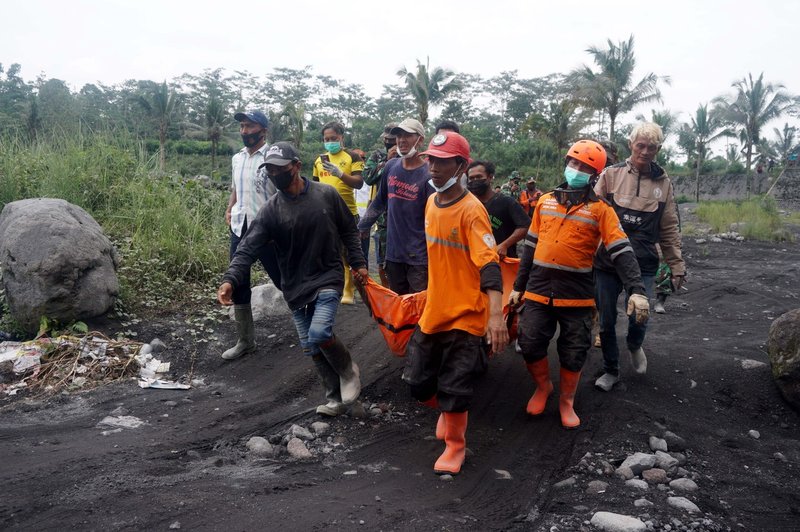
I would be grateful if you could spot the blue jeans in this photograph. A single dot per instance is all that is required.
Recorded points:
(607, 288)
(314, 322)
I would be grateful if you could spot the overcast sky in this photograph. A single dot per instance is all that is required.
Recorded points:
(704, 46)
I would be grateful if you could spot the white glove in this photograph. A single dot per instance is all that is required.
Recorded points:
(640, 305)
(332, 168)
(514, 298)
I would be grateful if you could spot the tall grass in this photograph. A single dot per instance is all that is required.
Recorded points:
(756, 219)
(169, 232)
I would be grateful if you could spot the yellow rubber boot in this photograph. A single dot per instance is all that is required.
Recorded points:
(348, 294)
(540, 371)
(455, 444)
(569, 384)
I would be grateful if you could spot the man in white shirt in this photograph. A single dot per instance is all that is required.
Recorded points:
(250, 189)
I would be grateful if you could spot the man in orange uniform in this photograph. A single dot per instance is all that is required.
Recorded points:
(465, 290)
(530, 196)
(555, 273)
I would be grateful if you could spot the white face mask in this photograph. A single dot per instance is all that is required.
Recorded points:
(449, 183)
(411, 152)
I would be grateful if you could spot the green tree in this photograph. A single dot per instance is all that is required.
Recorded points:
(57, 107)
(785, 140)
(754, 103)
(428, 87)
(612, 88)
(705, 127)
(161, 105)
(562, 123)
(16, 97)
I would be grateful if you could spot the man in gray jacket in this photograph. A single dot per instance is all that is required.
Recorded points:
(644, 200)
(306, 221)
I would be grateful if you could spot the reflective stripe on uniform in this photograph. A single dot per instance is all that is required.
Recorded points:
(569, 217)
(449, 243)
(555, 266)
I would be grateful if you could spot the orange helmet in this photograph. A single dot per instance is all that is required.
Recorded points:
(589, 152)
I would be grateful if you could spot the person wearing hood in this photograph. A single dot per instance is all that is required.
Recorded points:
(308, 222)
(555, 277)
(641, 194)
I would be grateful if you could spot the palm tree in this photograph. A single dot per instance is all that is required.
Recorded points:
(429, 87)
(612, 89)
(785, 140)
(161, 106)
(666, 120)
(705, 128)
(754, 104)
(562, 123)
(216, 122)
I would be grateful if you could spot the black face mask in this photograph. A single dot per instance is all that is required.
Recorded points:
(282, 180)
(389, 145)
(478, 186)
(251, 139)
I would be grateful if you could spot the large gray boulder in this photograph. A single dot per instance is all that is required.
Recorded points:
(56, 262)
(783, 345)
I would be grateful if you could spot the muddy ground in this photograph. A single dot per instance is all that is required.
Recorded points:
(188, 465)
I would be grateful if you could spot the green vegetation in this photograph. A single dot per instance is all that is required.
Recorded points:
(756, 219)
(170, 233)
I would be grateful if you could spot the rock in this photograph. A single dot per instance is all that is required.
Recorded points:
(716, 239)
(611, 522)
(680, 457)
(654, 476)
(752, 364)
(157, 346)
(783, 346)
(608, 469)
(566, 483)
(666, 461)
(194, 455)
(301, 432)
(175, 526)
(642, 503)
(780, 457)
(320, 428)
(754, 434)
(657, 444)
(596, 486)
(624, 472)
(639, 462)
(699, 240)
(146, 349)
(683, 484)
(638, 484)
(674, 442)
(682, 503)
(297, 449)
(266, 301)
(259, 446)
(56, 262)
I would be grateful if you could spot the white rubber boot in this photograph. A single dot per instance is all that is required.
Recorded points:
(639, 361)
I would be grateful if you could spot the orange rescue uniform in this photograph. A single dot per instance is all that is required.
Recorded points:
(460, 243)
(564, 240)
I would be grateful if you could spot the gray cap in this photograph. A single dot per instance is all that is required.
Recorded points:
(410, 125)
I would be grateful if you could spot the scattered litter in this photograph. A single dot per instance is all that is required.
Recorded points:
(162, 384)
(122, 422)
(53, 364)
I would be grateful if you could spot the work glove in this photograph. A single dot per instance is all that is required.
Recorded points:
(677, 282)
(640, 306)
(332, 168)
(514, 298)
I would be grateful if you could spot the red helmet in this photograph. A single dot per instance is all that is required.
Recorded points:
(589, 152)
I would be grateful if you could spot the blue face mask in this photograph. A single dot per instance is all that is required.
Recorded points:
(333, 147)
(576, 178)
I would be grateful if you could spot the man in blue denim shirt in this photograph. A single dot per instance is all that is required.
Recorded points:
(306, 221)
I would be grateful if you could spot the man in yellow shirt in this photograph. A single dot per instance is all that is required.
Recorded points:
(341, 169)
